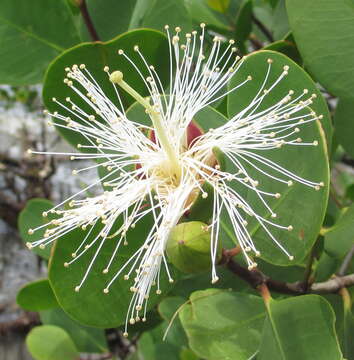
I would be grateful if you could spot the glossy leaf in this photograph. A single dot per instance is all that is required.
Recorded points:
(30, 218)
(97, 55)
(301, 206)
(37, 296)
(299, 328)
(32, 33)
(49, 342)
(222, 324)
(86, 339)
(324, 34)
(82, 305)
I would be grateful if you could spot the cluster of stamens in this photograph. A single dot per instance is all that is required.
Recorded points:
(158, 177)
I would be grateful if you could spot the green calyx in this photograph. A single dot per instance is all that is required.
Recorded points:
(188, 247)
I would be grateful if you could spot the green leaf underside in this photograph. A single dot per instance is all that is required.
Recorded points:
(299, 328)
(37, 296)
(324, 34)
(48, 342)
(86, 339)
(98, 55)
(221, 324)
(33, 32)
(30, 218)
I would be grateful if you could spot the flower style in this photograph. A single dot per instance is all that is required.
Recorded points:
(158, 171)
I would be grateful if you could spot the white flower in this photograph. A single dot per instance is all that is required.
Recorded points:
(162, 177)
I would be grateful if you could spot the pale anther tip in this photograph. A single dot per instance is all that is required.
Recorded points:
(116, 77)
(290, 228)
(77, 288)
(215, 280)
(105, 291)
(105, 271)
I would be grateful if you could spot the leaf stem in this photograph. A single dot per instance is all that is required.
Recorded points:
(346, 262)
(87, 20)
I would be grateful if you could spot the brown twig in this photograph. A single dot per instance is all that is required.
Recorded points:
(346, 262)
(23, 323)
(263, 29)
(255, 278)
(87, 19)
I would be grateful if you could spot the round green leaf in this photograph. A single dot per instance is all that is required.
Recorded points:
(221, 324)
(299, 328)
(83, 305)
(98, 55)
(30, 218)
(87, 339)
(49, 342)
(299, 205)
(32, 33)
(324, 34)
(37, 296)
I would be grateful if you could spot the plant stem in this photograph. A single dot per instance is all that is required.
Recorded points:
(346, 262)
(88, 21)
(263, 29)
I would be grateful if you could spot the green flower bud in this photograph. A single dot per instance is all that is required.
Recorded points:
(188, 247)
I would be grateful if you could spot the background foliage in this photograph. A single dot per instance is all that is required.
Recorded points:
(285, 311)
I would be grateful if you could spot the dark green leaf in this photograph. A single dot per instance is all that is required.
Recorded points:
(37, 296)
(301, 206)
(30, 218)
(97, 55)
(324, 34)
(32, 33)
(82, 306)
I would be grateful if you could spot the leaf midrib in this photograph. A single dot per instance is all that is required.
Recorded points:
(32, 35)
